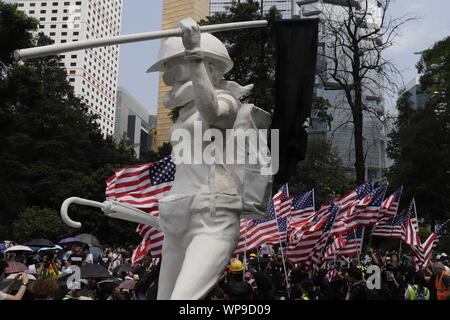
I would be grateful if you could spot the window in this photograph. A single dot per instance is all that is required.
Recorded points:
(43, 11)
(31, 11)
(64, 33)
(54, 11)
(43, 4)
(20, 4)
(41, 19)
(53, 18)
(72, 71)
(52, 34)
(66, 3)
(32, 4)
(74, 56)
(76, 33)
(53, 26)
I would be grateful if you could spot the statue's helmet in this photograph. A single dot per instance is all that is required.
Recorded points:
(213, 50)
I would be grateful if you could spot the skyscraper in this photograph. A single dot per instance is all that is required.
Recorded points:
(92, 72)
(134, 122)
(286, 7)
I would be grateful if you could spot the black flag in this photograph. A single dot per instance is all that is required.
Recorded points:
(296, 46)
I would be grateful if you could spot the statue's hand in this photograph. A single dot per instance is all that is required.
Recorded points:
(191, 35)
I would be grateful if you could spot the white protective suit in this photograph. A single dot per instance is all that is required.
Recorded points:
(200, 216)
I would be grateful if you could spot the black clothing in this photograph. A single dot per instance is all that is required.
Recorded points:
(359, 291)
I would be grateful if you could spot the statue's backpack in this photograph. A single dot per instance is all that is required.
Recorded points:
(254, 180)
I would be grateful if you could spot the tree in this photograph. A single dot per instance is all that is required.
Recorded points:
(163, 151)
(420, 142)
(354, 39)
(322, 171)
(52, 148)
(37, 222)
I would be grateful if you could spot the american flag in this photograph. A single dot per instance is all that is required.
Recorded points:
(390, 204)
(331, 274)
(411, 228)
(303, 206)
(282, 202)
(142, 186)
(390, 227)
(333, 248)
(366, 211)
(301, 241)
(317, 253)
(254, 233)
(432, 242)
(346, 204)
(348, 245)
(306, 236)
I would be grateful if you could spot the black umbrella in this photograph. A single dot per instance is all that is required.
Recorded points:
(109, 284)
(89, 239)
(62, 280)
(40, 243)
(89, 271)
(124, 267)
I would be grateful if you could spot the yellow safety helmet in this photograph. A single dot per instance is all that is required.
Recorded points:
(236, 265)
(253, 255)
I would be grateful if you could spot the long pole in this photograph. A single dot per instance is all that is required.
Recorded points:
(29, 53)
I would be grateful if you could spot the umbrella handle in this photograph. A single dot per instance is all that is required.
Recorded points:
(113, 209)
(69, 201)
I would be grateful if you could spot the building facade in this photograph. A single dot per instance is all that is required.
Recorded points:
(93, 72)
(418, 97)
(133, 122)
(341, 133)
(286, 7)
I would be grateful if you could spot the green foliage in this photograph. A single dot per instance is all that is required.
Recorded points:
(15, 31)
(36, 222)
(322, 170)
(163, 151)
(52, 148)
(420, 143)
(251, 51)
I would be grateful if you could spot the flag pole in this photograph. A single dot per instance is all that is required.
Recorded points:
(284, 265)
(245, 253)
(282, 254)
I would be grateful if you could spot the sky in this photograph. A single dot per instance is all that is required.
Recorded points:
(135, 58)
(146, 15)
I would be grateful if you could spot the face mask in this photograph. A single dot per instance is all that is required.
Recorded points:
(180, 73)
(179, 97)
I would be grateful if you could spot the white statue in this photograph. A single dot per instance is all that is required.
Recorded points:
(200, 216)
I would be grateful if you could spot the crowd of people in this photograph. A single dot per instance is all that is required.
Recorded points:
(262, 274)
